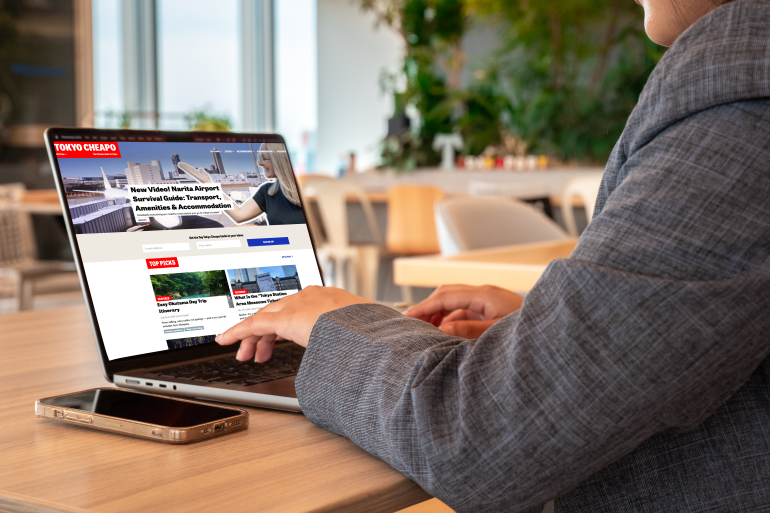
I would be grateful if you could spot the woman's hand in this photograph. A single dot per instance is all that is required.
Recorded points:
(290, 318)
(198, 174)
(464, 310)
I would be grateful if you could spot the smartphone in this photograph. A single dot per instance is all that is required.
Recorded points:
(155, 417)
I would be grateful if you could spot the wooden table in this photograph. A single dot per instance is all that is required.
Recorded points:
(515, 267)
(280, 463)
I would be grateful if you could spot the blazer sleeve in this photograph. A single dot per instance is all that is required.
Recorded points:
(658, 317)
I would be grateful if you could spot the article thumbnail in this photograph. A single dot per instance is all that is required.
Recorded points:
(179, 343)
(252, 280)
(191, 285)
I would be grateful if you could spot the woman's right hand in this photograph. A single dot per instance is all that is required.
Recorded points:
(465, 310)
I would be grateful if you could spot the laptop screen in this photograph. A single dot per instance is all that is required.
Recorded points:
(179, 241)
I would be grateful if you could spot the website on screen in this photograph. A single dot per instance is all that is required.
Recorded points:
(181, 240)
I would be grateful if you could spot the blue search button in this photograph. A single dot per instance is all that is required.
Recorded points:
(275, 241)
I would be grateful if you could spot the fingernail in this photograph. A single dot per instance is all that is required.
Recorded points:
(218, 338)
(238, 354)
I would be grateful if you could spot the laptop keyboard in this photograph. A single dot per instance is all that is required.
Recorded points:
(229, 371)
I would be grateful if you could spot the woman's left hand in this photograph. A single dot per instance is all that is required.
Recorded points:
(290, 318)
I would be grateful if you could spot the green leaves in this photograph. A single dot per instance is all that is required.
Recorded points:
(575, 69)
(181, 285)
(564, 79)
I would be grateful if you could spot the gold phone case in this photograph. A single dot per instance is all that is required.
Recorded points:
(171, 435)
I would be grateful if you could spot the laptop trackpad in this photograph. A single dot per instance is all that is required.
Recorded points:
(283, 387)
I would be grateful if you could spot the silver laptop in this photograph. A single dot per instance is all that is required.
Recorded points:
(177, 237)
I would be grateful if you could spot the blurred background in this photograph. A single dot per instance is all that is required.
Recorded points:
(415, 115)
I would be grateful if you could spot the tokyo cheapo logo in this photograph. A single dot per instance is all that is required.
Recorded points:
(87, 150)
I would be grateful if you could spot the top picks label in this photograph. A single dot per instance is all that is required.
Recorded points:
(88, 150)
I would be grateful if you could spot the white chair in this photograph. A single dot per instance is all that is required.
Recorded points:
(586, 187)
(20, 270)
(356, 267)
(518, 189)
(468, 223)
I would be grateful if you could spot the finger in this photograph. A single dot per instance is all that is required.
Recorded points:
(436, 318)
(246, 349)
(462, 315)
(446, 298)
(466, 329)
(444, 302)
(260, 324)
(265, 349)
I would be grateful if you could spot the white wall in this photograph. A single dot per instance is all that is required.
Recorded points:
(352, 111)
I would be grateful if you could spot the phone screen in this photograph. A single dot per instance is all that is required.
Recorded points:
(141, 408)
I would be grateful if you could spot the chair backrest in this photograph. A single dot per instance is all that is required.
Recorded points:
(332, 196)
(586, 187)
(468, 223)
(510, 189)
(305, 183)
(17, 236)
(411, 222)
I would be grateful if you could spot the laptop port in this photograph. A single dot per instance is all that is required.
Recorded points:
(132, 381)
(162, 386)
(219, 428)
(148, 384)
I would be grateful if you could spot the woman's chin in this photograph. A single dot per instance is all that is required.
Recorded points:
(658, 35)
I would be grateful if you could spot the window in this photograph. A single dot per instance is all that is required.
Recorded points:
(297, 79)
(198, 61)
(192, 63)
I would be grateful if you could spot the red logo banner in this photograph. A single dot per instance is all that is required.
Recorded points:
(240, 292)
(87, 150)
(160, 263)
(162, 298)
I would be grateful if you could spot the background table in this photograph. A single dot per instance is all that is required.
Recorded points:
(281, 463)
(515, 267)
(45, 201)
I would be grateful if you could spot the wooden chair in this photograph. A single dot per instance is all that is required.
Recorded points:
(468, 223)
(19, 267)
(411, 223)
(314, 224)
(586, 187)
(356, 266)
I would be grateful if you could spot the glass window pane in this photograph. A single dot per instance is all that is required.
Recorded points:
(108, 65)
(198, 60)
(296, 88)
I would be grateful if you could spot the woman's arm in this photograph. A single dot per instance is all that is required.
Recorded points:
(659, 317)
(247, 210)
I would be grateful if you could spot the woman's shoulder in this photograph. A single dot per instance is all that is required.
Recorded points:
(263, 188)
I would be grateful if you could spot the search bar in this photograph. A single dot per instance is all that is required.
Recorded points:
(170, 246)
(219, 244)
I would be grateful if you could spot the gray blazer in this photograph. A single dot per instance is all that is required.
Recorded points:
(636, 375)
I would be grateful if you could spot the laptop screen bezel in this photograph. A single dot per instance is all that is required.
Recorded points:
(165, 357)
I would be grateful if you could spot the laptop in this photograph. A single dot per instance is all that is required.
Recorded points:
(178, 236)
